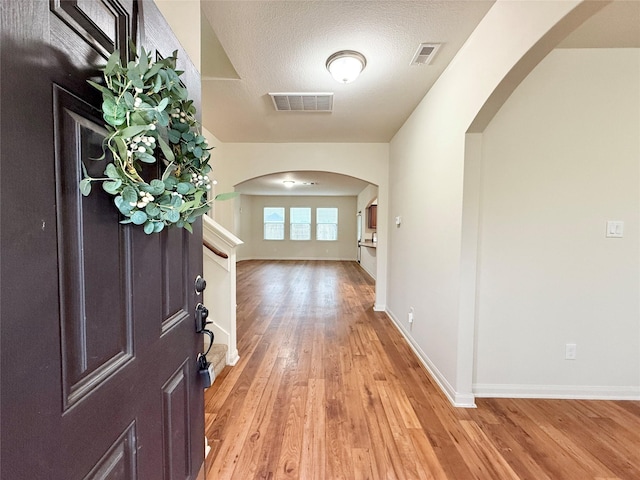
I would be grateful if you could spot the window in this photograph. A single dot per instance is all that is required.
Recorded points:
(300, 219)
(327, 224)
(274, 223)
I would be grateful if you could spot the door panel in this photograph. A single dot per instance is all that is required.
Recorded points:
(98, 343)
(96, 322)
(119, 462)
(175, 416)
(103, 24)
(175, 284)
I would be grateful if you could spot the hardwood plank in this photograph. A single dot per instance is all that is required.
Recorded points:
(355, 416)
(219, 392)
(318, 351)
(574, 432)
(289, 461)
(489, 461)
(400, 400)
(328, 389)
(401, 436)
(252, 462)
(361, 464)
(427, 456)
(515, 453)
(528, 430)
(226, 457)
(312, 462)
(384, 453)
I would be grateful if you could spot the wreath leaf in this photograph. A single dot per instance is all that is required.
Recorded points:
(112, 187)
(157, 187)
(226, 196)
(162, 105)
(114, 59)
(166, 151)
(145, 157)
(121, 148)
(85, 186)
(111, 171)
(139, 217)
(130, 132)
(129, 194)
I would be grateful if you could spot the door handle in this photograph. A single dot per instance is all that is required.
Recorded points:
(202, 313)
(204, 366)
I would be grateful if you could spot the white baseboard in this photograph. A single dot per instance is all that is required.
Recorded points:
(457, 399)
(367, 270)
(232, 357)
(330, 259)
(221, 333)
(572, 392)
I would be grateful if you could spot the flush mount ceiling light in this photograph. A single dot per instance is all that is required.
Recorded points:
(288, 183)
(346, 65)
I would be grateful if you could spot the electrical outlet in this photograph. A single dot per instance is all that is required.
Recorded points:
(570, 351)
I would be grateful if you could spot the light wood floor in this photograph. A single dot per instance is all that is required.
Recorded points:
(326, 388)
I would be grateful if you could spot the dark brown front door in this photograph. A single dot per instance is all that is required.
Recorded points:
(98, 342)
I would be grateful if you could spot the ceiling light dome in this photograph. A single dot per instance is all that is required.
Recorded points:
(346, 65)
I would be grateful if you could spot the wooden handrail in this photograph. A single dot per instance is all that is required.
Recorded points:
(214, 249)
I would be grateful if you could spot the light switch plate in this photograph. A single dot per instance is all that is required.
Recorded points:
(615, 229)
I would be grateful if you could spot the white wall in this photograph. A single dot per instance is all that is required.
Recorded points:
(368, 256)
(220, 295)
(432, 255)
(559, 159)
(258, 248)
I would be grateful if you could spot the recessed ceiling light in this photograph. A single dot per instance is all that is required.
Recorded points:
(288, 183)
(346, 65)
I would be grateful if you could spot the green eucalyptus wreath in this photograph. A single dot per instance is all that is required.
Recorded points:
(149, 118)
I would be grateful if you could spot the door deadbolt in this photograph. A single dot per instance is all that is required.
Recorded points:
(200, 284)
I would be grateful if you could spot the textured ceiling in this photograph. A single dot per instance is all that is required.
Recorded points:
(282, 46)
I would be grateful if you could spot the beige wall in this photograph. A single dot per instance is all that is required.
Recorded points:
(183, 16)
(258, 248)
(558, 160)
(433, 184)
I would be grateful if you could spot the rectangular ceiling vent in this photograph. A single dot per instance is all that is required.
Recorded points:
(425, 53)
(302, 102)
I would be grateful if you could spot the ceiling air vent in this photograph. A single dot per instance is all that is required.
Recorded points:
(425, 53)
(302, 102)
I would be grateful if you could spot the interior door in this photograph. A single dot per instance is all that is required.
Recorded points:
(98, 342)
